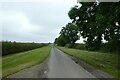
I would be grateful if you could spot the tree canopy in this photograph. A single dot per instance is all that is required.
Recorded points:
(96, 21)
(68, 35)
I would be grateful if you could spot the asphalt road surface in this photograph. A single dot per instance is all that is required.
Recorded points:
(60, 65)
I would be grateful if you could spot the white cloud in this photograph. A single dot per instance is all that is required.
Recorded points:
(17, 24)
(34, 20)
(42, 1)
(19, 20)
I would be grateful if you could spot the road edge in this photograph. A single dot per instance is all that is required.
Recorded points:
(96, 72)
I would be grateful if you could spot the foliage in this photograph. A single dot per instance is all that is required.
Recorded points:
(68, 46)
(68, 35)
(95, 22)
(98, 21)
(60, 41)
(80, 46)
(15, 47)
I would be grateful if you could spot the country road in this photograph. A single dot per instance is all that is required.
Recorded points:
(61, 65)
(57, 65)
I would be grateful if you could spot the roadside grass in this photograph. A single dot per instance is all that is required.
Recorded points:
(0, 66)
(104, 61)
(16, 62)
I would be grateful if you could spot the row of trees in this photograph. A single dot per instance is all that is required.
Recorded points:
(68, 35)
(95, 21)
(15, 47)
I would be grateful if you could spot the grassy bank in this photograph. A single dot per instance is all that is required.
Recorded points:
(15, 62)
(104, 61)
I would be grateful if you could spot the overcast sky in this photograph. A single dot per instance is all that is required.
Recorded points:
(33, 21)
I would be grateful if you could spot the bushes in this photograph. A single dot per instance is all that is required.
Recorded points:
(105, 47)
(76, 46)
(110, 47)
(80, 46)
(69, 45)
(15, 47)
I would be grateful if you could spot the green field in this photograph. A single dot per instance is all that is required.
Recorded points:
(16, 62)
(104, 61)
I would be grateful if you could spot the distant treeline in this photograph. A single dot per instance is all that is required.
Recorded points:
(9, 47)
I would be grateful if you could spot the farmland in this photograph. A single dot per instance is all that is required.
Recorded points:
(18, 61)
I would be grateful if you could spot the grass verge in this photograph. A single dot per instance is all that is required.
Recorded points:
(16, 62)
(103, 61)
(0, 67)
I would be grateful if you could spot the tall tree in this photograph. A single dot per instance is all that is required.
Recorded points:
(68, 35)
(97, 21)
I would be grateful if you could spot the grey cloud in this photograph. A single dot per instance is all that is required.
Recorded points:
(44, 19)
